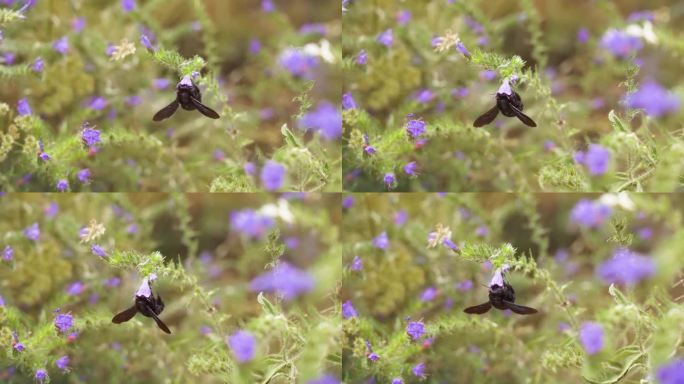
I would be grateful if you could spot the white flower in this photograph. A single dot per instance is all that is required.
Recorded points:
(323, 50)
(280, 210)
(621, 200)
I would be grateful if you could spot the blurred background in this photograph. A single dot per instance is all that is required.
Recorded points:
(219, 252)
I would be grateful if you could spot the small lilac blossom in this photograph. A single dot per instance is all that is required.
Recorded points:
(127, 5)
(415, 128)
(23, 107)
(645, 233)
(325, 379)
(564, 327)
(44, 156)
(243, 345)
(505, 88)
(113, 282)
(672, 372)
(389, 179)
(41, 375)
(424, 96)
(326, 119)
(621, 44)
(641, 15)
(2, 301)
(145, 41)
(298, 63)
(419, 370)
(596, 159)
(61, 45)
(348, 310)
(161, 83)
(654, 99)
(272, 175)
(90, 136)
(250, 223)
(62, 363)
(428, 294)
(482, 231)
(83, 175)
(386, 38)
(487, 75)
(460, 92)
(78, 24)
(356, 264)
(450, 244)
(62, 185)
(51, 210)
(381, 241)
(313, 28)
(98, 251)
(133, 100)
(373, 356)
(626, 268)
(348, 202)
(410, 168)
(18, 346)
(415, 329)
(461, 48)
(97, 103)
(403, 17)
(465, 285)
(8, 253)
(397, 380)
(63, 322)
(284, 279)
(362, 57)
(348, 101)
(250, 168)
(591, 336)
(267, 6)
(75, 289)
(590, 214)
(582, 35)
(549, 145)
(38, 65)
(400, 218)
(254, 46)
(32, 232)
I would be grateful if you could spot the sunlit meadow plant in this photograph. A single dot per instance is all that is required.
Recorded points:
(249, 286)
(81, 82)
(600, 79)
(605, 273)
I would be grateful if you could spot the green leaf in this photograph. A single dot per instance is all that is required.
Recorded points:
(617, 123)
(290, 138)
(266, 304)
(614, 370)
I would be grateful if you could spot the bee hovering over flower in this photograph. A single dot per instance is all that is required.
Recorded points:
(501, 296)
(509, 103)
(189, 97)
(146, 304)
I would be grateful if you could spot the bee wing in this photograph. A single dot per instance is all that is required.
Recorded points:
(206, 111)
(487, 117)
(160, 323)
(519, 309)
(125, 315)
(479, 309)
(523, 117)
(166, 112)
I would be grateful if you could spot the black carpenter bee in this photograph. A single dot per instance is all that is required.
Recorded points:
(146, 304)
(509, 103)
(189, 97)
(501, 296)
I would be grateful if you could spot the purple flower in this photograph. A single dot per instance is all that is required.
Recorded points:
(410, 168)
(591, 336)
(18, 346)
(424, 96)
(465, 285)
(415, 329)
(450, 244)
(272, 175)
(482, 231)
(298, 63)
(113, 282)
(356, 264)
(243, 345)
(461, 48)
(326, 119)
(626, 268)
(312, 28)
(133, 100)
(672, 372)
(254, 46)
(78, 24)
(7, 253)
(419, 370)
(63, 322)
(98, 251)
(32, 232)
(386, 38)
(2, 301)
(397, 380)
(620, 44)
(381, 241)
(61, 45)
(267, 6)
(38, 65)
(400, 218)
(389, 179)
(41, 374)
(596, 158)
(348, 202)
(415, 128)
(145, 41)
(429, 294)
(348, 101)
(373, 356)
(362, 57)
(250, 223)
(284, 279)
(590, 214)
(90, 136)
(487, 75)
(645, 233)
(325, 379)
(654, 99)
(460, 92)
(250, 168)
(62, 185)
(83, 175)
(161, 83)
(62, 363)
(348, 310)
(23, 107)
(75, 289)
(127, 5)
(583, 35)
(641, 15)
(44, 156)
(549, 145)
(97, 103)
(403, 17)
(505, 88)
